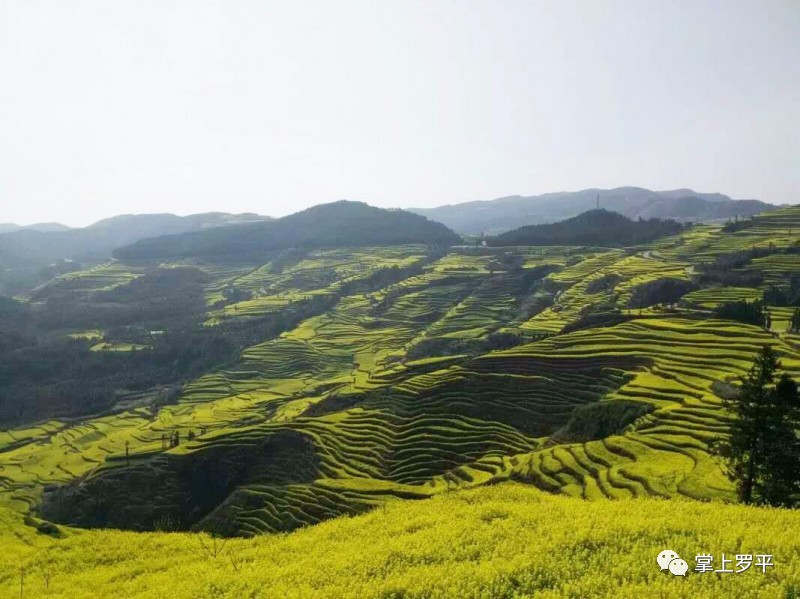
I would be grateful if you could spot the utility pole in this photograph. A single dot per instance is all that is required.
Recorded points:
(597, 202)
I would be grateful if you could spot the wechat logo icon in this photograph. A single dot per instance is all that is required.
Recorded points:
(669, 560)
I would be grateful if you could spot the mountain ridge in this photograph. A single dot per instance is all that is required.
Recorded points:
(509, 212)
(335, 224)
(598, 227)
(25, 251)
(43, 227)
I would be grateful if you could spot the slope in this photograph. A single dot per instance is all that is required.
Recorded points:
(505, 540)
(25, 253)
(504, 214)
(394, 390)
(339, 224)
(594, 227)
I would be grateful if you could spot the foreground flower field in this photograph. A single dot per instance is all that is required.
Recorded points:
(506, 540)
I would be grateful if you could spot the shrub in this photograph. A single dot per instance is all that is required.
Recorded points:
(602, 419)
(595, 319)
(497, 341)
(604, 283)
(746, 312)
(660, 291)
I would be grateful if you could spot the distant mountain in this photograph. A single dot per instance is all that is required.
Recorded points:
(165, 224)
(338, 224)
(98, 240)
(594, 227)
(44, 227)
(25, 251)
(504, 214)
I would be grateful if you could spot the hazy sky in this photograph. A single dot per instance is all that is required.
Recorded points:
(115, 106)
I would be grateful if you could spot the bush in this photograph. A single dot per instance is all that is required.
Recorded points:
(737, 225)
(497, 341)
(743, 311)
(596, 319)
(602, 419)
(660, 291)
(775, 296)
(604, 283)
(723, 270)
(435, 347)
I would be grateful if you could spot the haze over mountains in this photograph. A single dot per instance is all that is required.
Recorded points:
(44, 227)
(337, 224)
(504, 214)
(25, 250)
(52, 241)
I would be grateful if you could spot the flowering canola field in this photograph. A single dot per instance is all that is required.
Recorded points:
(507, 540)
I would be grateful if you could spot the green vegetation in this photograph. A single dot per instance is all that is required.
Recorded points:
(506, 540)
(747, 312)
(595, 227)
(339, 224)
(304, 383)
(504, 214)
(32, 255)
(763, 451)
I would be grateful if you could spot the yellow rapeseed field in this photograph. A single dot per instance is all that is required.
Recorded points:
(502, 541)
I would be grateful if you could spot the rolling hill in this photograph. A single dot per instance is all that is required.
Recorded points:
(390, 348)
(98, 240)
(338, 224)
(504, 214)
(594, 227)
(514, 389)
(24, 251)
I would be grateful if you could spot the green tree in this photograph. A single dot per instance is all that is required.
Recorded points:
(762, 453)
(794, 322)
(782, 485)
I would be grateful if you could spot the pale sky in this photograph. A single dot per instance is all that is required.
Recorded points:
(111, 106)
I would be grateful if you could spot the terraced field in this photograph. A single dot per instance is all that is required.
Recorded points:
(665, 451)
(712, 297)
(424, 373)
(298, 276)
(776, 268)
(102, 277)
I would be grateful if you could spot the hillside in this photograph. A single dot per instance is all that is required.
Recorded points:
(275, 389)
(385, 346)
(507, 540)
(25, 251)
(99, 239)
(594, 227)
(338, 224)
(504, 214)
